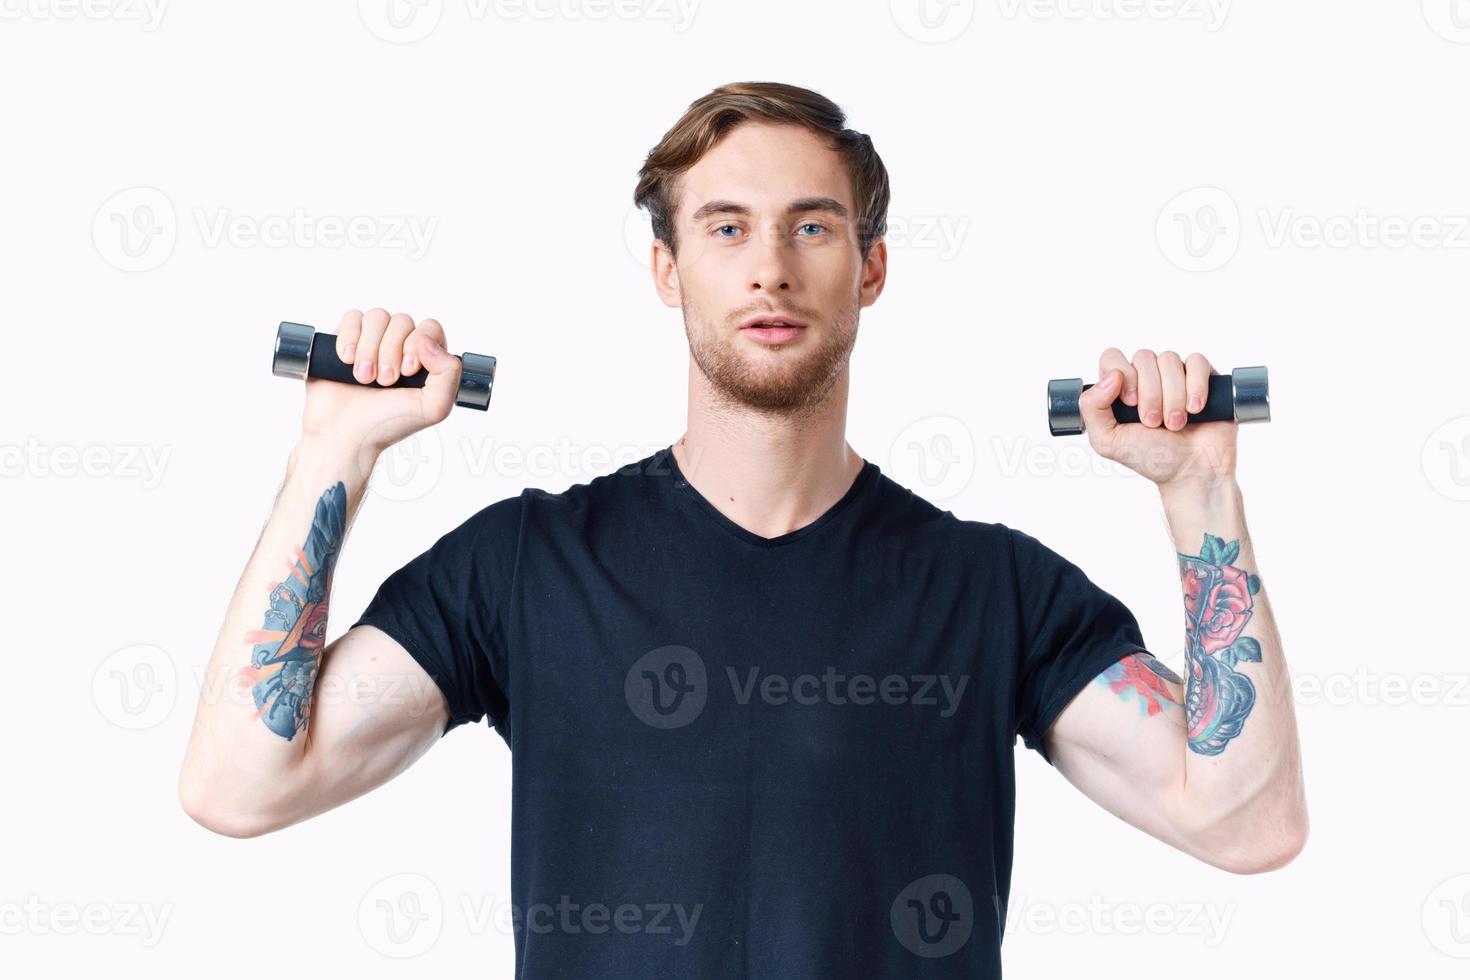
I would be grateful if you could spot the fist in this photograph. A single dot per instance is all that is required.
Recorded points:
(1162, 446)
(383, 348)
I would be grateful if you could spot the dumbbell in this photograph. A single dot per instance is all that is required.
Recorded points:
(305, 352)
(1242, 396)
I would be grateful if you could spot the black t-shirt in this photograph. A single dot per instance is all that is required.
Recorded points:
(740, 757)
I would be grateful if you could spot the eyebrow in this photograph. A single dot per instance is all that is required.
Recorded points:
(798, 206)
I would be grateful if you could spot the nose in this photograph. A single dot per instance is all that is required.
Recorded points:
(772, 264)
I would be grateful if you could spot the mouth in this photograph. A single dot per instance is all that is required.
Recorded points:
(771, 329)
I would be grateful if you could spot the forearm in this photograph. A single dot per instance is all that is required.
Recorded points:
(1242, 790)
(252, 722)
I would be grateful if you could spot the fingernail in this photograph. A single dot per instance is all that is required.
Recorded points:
(1194, 401)
(407, 364)
(1176, 420)
(364, 370)
(1152, 418)
(349, 350)
(1131, 393)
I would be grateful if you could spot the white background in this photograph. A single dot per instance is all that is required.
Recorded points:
(1045, 164)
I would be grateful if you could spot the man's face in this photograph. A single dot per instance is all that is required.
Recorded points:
(767, 227)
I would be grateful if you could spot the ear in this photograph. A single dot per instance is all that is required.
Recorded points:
(665, 273)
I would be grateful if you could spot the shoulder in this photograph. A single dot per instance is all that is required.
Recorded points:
(920, 521)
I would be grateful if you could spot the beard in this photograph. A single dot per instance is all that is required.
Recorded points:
(794, 385)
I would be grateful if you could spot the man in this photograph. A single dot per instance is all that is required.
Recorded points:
(761, 700)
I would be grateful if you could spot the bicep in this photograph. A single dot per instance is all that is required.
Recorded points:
(1121, 741)
(374, 712)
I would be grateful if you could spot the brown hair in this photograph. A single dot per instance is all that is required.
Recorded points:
(712, 116)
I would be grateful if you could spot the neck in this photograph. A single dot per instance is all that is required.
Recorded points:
(769, 473)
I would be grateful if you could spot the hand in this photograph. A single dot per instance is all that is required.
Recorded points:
(1160, 446)
(383, 348)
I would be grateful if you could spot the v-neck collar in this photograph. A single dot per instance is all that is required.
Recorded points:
(683, 487)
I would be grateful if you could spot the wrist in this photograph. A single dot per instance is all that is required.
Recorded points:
(1190, 502)
(333, 453)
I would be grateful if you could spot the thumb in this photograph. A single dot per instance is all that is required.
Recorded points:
(442, 384)
(1096, 404)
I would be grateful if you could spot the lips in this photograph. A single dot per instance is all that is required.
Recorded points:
(771, 328)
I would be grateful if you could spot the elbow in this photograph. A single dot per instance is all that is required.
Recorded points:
(1263, 854)
(205, 810)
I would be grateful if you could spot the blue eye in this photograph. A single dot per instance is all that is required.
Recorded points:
(813, 224)
(722, 228)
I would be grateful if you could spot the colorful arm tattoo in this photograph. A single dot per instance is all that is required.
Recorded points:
(1217, 599)
(288, 646)
(1144, 676)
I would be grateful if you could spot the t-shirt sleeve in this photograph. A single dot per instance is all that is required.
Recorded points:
(1071, 630)
(447, 608)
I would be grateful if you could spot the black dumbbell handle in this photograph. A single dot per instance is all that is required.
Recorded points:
(302, 351)
(1219, 404)
(325, 365)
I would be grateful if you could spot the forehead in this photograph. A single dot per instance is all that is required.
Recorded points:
(765, 166)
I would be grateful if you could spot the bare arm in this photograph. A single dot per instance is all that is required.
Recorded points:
(1209, 763)
(287, 725)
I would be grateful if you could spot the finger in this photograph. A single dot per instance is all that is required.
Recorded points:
(374, 323)
(1096, 404)
(1197, 371)
(428, 329)
(390, 350)
(348, 329)
(1114, 358)
(1150, 389)
(1171, 381)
